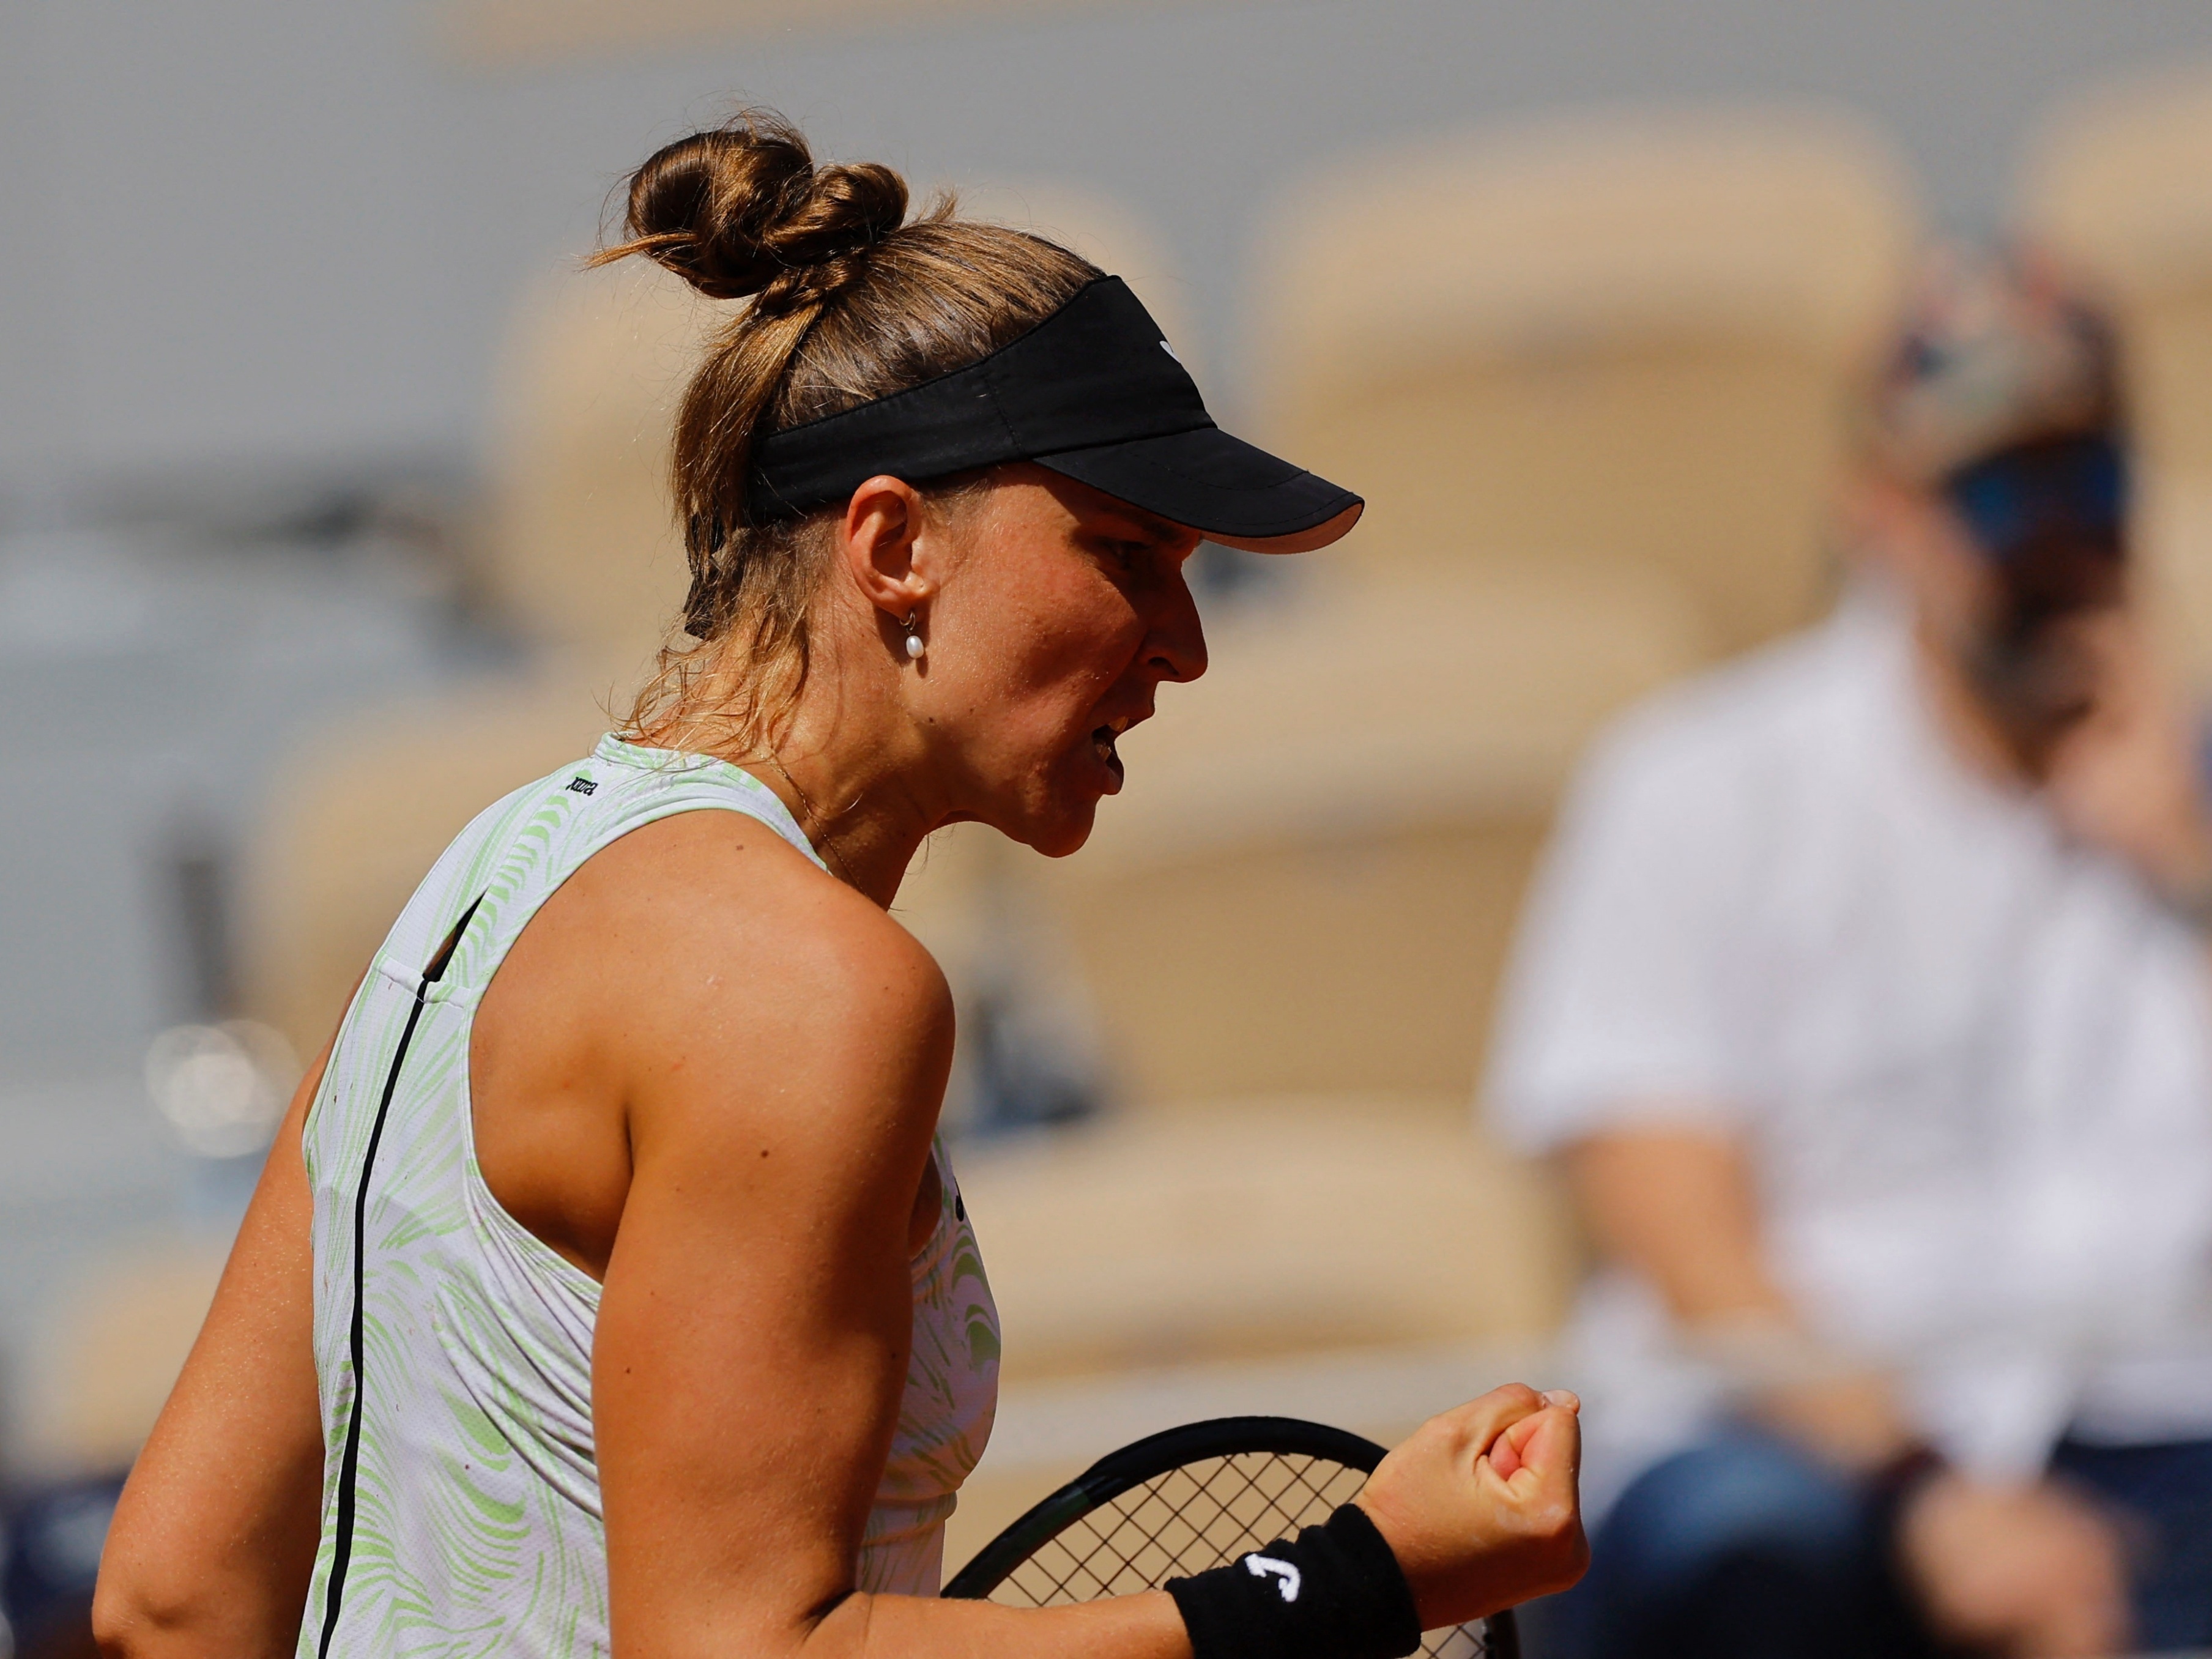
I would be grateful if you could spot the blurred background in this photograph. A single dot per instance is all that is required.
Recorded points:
(329, 509)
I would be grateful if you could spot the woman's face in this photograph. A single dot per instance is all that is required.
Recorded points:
(1058, 611)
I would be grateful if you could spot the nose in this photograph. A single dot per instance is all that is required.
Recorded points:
(1175, 646)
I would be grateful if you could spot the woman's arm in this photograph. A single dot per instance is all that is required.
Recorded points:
(784, 1065)
(753, 1329)
(214, 1540)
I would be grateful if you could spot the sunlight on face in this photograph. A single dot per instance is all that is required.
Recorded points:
(1064, 612)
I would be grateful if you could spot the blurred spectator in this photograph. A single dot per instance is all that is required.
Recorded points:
(1866, 1001)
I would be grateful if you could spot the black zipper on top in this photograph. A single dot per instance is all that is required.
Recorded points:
(349, 1468)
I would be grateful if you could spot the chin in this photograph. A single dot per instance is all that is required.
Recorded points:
(1063, 832)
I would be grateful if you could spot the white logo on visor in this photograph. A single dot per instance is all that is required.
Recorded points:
(1284, 1575)
(1169, 350)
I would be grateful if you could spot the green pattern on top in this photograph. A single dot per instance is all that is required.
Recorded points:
(477, 1527)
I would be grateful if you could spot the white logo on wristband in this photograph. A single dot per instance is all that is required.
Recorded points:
(1284, 1575)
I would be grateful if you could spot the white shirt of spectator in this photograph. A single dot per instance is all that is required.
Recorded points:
(1971, 1063)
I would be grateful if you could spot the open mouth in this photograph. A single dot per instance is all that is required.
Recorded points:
(1102, 739)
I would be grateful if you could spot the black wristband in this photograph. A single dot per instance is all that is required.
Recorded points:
(1336, 1592)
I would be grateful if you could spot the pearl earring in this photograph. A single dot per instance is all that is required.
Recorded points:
(914, 645)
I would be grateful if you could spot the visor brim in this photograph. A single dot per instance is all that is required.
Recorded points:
(1230, 491)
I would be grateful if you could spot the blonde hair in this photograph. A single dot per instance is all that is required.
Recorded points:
(849, 301)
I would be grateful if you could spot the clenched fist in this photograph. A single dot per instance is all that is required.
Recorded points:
(1480, 1504)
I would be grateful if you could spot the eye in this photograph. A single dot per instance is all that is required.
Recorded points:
(1126, 554)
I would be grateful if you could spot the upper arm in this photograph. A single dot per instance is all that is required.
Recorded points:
(1679, 1206)
(214, 1541)
(788, 1060)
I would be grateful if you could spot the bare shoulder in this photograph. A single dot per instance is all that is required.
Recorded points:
(731, 887)
(720, 946)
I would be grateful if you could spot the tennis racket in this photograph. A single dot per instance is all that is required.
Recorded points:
(1180, 1502)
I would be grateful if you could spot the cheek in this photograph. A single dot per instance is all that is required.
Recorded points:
(1056, 659)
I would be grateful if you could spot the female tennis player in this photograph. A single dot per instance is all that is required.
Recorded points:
(606, 1291)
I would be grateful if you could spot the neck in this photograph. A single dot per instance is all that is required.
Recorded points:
(862, 816)
(846, 764)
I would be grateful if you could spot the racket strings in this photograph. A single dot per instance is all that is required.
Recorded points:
(1185, 1521)
(1193, 1518)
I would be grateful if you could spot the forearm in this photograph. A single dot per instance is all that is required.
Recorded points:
(1477, 1509)
(1838, 1404)
(141, 1615)
(204, 1561)
(214, 1540)
(861, 1626)
(190, 1570)
(1679, 1208)
(1853, 1420)
(1141, 1626)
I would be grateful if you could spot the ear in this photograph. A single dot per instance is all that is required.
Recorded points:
(877, 541)
(1872, 507)
(1911, 535)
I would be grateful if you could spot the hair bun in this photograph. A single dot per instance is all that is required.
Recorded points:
(742, 210)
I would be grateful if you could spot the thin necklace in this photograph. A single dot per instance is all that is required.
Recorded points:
(813, 811)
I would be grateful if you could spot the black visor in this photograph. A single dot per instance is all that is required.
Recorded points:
(1093, 393)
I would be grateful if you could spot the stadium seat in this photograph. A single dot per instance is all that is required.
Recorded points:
(1276, 1227)
(1594, 342)
(2122, 192)
(581, 547)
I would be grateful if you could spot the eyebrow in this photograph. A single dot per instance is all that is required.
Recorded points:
(1156, 528)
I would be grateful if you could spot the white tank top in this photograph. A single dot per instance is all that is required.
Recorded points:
(454, 1348)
